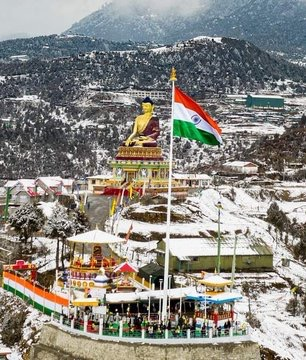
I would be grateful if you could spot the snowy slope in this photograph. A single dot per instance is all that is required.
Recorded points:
(278, 331)
(243, 209)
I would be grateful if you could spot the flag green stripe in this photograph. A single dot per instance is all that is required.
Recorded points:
(187, 130)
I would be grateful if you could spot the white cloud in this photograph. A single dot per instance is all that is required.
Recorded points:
(40, 17)
(43, 17)
(160, 6)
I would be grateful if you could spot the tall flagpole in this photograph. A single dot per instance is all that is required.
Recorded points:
(166, 265)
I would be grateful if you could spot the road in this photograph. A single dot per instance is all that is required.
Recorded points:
(97, 210)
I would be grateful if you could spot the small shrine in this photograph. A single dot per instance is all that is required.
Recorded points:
(89, 266)
(125, 283)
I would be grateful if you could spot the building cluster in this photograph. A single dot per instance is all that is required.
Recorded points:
(16, 193)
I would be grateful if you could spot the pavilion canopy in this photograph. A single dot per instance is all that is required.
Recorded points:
(219, 298)
(215, 281)
(85, 302)
(96, 237)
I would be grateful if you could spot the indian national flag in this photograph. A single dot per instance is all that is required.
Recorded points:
(192, 122)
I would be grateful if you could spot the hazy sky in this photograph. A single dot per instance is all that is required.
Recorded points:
(160, 6)
(42, 17)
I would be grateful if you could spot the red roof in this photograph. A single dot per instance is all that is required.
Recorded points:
(126, 267)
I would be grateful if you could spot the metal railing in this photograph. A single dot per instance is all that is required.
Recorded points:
(122, 331)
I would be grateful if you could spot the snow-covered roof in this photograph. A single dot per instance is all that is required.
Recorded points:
(185, 247)
(236, 96)
(126, 297)
(31, 191)
(266, 96)
(100, 177)
(5, 351)
(191, 176)
(26, 182)
(27, 185)
(174, 293)
(96, 237)
(51, 181)
(10, 183)
(68, 182)
(240, 163)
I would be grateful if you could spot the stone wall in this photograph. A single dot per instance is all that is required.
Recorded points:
(56, 344)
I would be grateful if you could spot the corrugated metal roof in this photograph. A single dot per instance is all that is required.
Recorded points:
(194, 247)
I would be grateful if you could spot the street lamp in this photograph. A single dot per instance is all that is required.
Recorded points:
(205, 304)
(149, 310)
(181, 300)
(219, 207)
(234, 263)
(169, 286)
(160, 297)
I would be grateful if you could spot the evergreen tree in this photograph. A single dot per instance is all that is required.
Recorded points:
(59, 226)
(303, 120)
(277, 217)
(27, 220)
(81, 222)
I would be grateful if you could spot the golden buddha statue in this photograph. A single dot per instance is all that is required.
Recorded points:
(146, 127)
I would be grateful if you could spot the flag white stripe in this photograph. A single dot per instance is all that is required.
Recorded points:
(185, 114)
(44, 302)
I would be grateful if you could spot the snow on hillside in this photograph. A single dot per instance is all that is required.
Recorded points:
(243, 210)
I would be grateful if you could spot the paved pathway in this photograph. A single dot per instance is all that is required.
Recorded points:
(97, 210)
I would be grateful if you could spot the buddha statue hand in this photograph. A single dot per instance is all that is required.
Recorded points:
(144, 138)
(129, 142)
(139, 140)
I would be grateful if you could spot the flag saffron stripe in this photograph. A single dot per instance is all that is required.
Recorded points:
(189, 103)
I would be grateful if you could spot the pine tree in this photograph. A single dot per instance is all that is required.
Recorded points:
(81, 222)
(59, 226)
(27, 220)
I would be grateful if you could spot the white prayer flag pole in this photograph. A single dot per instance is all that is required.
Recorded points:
(166, 264)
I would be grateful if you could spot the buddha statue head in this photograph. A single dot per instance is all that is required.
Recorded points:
(147, 105)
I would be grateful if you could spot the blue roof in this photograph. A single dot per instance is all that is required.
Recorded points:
(214, 299)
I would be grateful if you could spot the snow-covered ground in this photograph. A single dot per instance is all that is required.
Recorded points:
(242, 209)
(278, 331)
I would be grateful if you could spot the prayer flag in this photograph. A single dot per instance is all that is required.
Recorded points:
(127, 236)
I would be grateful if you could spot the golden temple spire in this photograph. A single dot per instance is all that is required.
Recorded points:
(173, 74)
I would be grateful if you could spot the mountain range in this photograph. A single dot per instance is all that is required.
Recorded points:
(56, 46)
(61, 116)
(274, 25)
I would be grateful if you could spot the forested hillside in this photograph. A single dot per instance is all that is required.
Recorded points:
(203, 65)
(60, 116)
(53, 46)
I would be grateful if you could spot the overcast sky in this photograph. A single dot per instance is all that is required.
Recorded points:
(42, 17)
